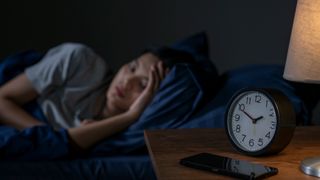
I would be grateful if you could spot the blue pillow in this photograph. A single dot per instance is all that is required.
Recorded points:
(197, 45)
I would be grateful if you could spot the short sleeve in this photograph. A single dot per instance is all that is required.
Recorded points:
(62, 63)
(71, 80)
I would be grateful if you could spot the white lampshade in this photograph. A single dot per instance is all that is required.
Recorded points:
(303, 59)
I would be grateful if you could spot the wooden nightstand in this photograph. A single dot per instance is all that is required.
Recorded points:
(167, 147)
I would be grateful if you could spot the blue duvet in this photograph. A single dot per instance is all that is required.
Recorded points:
(188, 98)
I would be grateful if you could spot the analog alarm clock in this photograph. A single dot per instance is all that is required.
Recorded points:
(260, 121)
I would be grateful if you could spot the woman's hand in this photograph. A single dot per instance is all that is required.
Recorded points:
(156, 75)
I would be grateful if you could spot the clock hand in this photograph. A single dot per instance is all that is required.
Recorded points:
(256, 119)
(247, 115)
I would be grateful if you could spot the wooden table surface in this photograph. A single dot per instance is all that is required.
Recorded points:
(167, 147)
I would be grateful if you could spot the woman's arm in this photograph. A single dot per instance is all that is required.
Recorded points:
(86, 136)
(91, 133)
(13, 94)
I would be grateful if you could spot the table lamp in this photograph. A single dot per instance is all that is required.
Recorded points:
(303, 59)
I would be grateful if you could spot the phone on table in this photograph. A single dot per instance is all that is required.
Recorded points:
(228, 166)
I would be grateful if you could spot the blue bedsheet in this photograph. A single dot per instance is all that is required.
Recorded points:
(125, 167)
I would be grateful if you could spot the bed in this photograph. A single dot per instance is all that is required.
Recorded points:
(191, 96)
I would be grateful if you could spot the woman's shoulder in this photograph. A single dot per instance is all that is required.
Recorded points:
(74, 52)
(72, 48)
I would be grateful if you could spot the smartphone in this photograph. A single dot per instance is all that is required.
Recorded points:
(228, 166)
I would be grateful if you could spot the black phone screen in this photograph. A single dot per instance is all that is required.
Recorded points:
(228, 166)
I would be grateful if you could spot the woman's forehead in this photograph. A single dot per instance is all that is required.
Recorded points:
(145, 61)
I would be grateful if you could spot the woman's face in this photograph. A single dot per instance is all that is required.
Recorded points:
(129, 82)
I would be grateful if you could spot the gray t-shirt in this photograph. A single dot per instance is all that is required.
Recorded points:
(72, 81)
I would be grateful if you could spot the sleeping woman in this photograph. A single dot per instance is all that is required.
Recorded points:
(76, 90)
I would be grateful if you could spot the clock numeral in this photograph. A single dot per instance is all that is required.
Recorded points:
(267, 103)
(273, 125)
(260, 142)
(257, 99)
(268, 135)
(241, 107)
(237, 117)
(248, 100)
(271, 113)
(238, 128)
(244, 137)
(251, 142)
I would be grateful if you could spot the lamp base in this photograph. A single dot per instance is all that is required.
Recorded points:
(311, 166)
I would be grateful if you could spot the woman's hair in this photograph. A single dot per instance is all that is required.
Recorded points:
(170, 56)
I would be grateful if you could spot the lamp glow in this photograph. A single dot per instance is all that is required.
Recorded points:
(303, 59)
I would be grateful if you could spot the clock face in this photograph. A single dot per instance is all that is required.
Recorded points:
(252, 120)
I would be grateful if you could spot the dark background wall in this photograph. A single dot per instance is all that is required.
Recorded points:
(240, 31)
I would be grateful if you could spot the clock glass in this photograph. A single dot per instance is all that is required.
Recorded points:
(252, 120)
